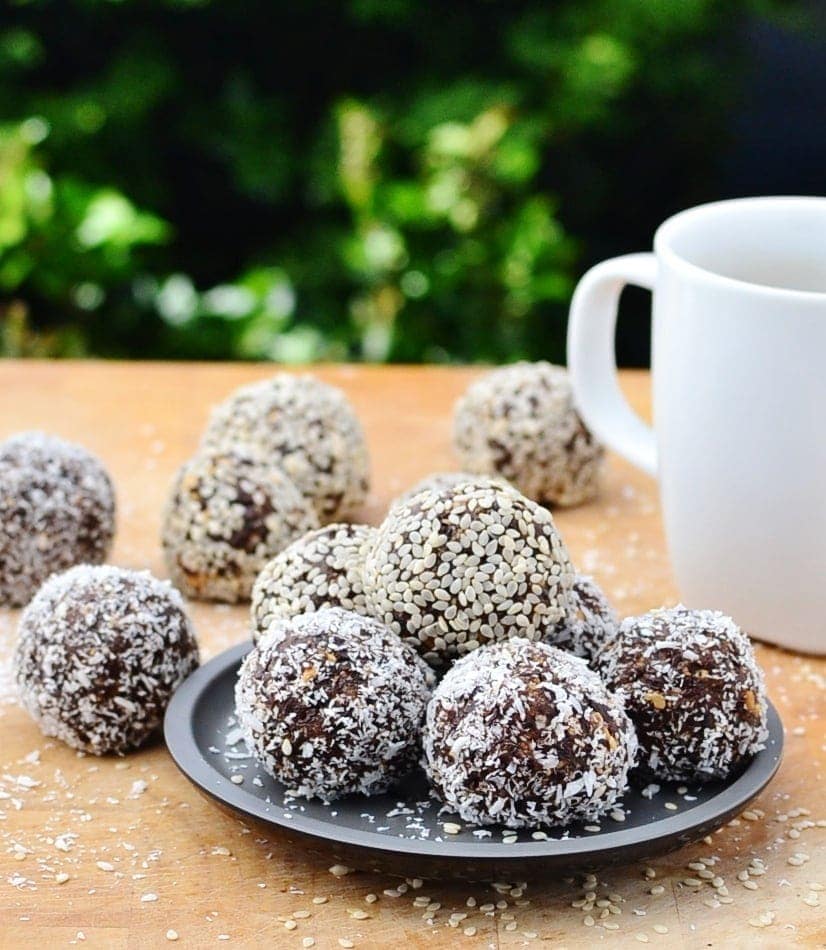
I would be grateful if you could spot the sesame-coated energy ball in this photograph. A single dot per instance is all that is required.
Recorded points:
(332, 703)
(57, 509)
(225, 518)
(522, 734)
(101, 651)
(321, 569)
(306, 428)
(589, 623)
(519, 422)
(456, 568)
(693, 689)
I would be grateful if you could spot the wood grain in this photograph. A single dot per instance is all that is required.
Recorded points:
(218, 882)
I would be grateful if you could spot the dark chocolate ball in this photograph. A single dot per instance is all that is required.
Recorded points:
(589, 622)
(332, 703)
(225, 518)
(57, 508)
(306, 428)
(101, 650)
(522, 734)
(321, 569)
(692, 685)
(520, 422)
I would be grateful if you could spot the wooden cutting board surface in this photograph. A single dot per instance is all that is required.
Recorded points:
(125, 853)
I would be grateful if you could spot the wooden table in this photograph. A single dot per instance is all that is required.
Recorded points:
(146, 854)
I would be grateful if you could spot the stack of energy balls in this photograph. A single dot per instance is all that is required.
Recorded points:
(456, 634)
(459, 635)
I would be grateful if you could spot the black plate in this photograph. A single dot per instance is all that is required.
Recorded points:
(402, 832)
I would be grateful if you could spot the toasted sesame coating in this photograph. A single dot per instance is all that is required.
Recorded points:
(225, 518)
(589, 623)
(321, 569)
(306, 428)
(519, 422)
(692, 685)
(100, 652)
(332, 703)
(522, 734)
(57, 508)
(467, 565)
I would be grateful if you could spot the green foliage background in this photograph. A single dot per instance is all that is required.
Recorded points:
(372, 179)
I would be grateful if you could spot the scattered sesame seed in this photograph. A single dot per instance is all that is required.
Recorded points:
(451, 828)
(308, 942)
(660, 929)
(148, 898)
(171, 934)
(340, 870)
(237, 779)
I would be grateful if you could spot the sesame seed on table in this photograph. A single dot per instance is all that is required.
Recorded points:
(123, 852)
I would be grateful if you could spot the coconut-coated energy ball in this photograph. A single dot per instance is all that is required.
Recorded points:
(57, 508)
(589, 623)
(693, 688)
(225, 518)
(306, 428)
(522, 734)
(519, 422)
(321, 569)
(456, 568)
(101, 651)
(332, 703)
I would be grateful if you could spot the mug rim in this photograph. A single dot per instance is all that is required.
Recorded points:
(664, 249)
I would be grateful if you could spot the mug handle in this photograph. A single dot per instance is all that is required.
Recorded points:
(592, 361)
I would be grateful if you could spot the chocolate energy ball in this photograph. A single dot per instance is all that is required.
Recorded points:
(100, 653)
(225, 518)
(693, 688)
(522, 734)
(57, 508)
(321, 569)
(456, 568)
(332, 703)
(519, 422)
(589, 623)
(307, 429)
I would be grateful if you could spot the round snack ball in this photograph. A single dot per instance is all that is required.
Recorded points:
(693, 688)
(306, 428)
(519, 422)
(320, 569)
(522, 734)
(439, 480)
(456, 568)
(332, 703)
(57, 508)
(589, 623)
(101, 651)
(225, 518)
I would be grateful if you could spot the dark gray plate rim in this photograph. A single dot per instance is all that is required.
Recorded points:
(189, 757)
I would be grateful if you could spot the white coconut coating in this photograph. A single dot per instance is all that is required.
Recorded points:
(456, 568)
(101, 651)
(332, 703)
(306, 428)
(519, 422)
(692, 685)
(439, 480)
(589, 623)
(321, 569)
(522, 734)
(225, 518)
(57, 508)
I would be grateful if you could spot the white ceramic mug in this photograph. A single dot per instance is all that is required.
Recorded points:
(739, 392)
